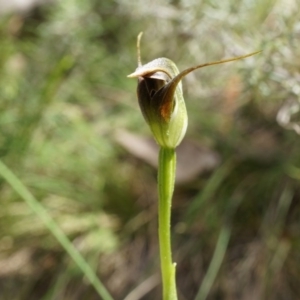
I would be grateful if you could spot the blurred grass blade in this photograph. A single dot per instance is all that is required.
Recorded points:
(43, 97)
(144, 288)
(215, 263)
(212, 185)
(52, 226)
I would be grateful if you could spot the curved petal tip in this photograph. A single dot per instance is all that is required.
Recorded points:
(133, 75)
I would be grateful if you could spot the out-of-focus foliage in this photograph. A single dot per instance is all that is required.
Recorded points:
(63, 96)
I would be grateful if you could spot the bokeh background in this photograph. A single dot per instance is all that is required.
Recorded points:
(72, 132)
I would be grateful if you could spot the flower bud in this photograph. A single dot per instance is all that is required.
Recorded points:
(161, 101)
(160, 97)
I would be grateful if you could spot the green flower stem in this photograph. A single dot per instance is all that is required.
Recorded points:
(166, 181)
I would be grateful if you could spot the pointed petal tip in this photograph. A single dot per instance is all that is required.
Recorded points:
(133, 75)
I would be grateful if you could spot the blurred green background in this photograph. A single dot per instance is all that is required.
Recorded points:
(71, 130)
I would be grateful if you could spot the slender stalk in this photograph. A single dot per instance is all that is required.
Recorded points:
(166, 181)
